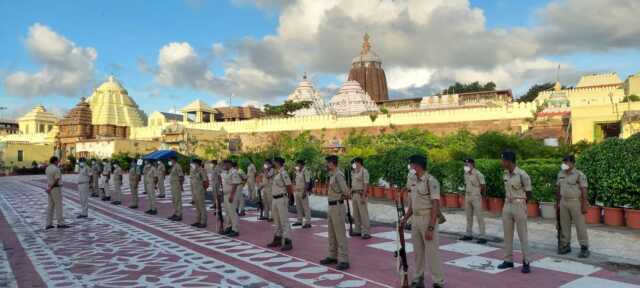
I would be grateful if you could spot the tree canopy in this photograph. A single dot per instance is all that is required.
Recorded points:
(470, 87)
(631, 98)
(286, 109)
(532, 93)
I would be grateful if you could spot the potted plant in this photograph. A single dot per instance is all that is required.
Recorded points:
(378, 192)
(547, 206)
(632, 216)
(390, 192)
(451, 200)
(461, 200)
(533, 208)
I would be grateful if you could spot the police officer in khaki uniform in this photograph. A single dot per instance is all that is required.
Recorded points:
(239, 201)
(230, 183)
(117, 184)
(95, 178)
(84, 182)
(280, 188)
(302, 187)
(251, 181)
(134, 180)
(54, 190)
(150, 186)
(359, 187)
(475, 186)
(215, 182)
(337, 192)
(176, 180)
(571, 194)
(104, 180)
(161, 172)
(198, 178)
(517, 187)
(265, 189)
(424, 190)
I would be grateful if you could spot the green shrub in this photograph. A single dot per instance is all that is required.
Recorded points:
(543, 179)
(492, 171)
(450, 174)
(395, 162)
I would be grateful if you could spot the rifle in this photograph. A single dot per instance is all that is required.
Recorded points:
(349, 218)
(558, 227)
(260, 205)
(401, 253)
(219, 198)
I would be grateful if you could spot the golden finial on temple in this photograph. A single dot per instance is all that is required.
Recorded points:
(366, 46)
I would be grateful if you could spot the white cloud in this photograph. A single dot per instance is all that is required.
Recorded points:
(220, 103)
(66, 70)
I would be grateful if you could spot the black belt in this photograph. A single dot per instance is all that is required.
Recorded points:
(278, 196)
(335, 202)
(357, 191)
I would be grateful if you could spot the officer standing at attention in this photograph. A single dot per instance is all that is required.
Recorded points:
(230, 183)
(134, 180)
(117, 184)
(359, 186)
(54, 190)
(517, 188)
(424, 190)
(161, 172)
(251, 181)
(96, 171)
(265, 184)
(338, 191)
(279, 190)
(475, 187)
(239, 201)
(84, 181)
(571, 196)
(149, 186)
(198, 181)
(303, 182)
(214, 181)
(176, 180)
(106, 175)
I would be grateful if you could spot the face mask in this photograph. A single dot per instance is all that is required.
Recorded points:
(170, 163)
(354, 166)
(266, 166)
(467, 169)
(139, 162)
(297, 168)
(564, 167)
(81, 164)
(193, 166)
(412, 171)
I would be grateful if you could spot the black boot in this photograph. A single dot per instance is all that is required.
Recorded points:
(564, 250)
(342, 266)
(417, 282)
(277, 242)
(328, 261)
(465, 238)
(505, 265)
(584, 252)
(525, 268)
(288, 245)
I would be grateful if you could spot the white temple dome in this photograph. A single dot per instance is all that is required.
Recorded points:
(306, 92)
(111, 105)
(352, 100)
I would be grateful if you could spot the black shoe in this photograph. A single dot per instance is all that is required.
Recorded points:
(202, 226)
(305, 226)
(195, 224)
(270, 220)
(108, 198)
(277, 241)
(263, 218)
(242, 213)
(63, 226)
(525, 268)
(81, 216)
(145, 193)
(233, 234)
(564, 250)
(354, 234)
(94, 195)
(48, 227)
(149, 211)
(342, 266)
(584, 252)
(465, 238)
(193, 202)
(328, 261)
(172, 217)
(506, 265)
(133, 207)
(297, 224)
(115, 202)
(162, 196)
(417, 283)
(288, 245)
(104, 199)
(436, 285)
(482, 241)
(366, 236)
(178, 218)
(154, 212)
(226, 231)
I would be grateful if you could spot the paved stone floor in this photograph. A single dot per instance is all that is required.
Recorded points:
(120, 247)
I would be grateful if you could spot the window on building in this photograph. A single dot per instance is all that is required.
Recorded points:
(49, 128)
(41, 128)
(606, 130)
(20, 155)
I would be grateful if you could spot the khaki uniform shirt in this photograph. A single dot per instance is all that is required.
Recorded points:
(117, 175)
(571, 183)
(176, 174)
(516, 184)
(302, 178)
(95, 169)
(251, 171)
(473, 182)
(106, 169)
(53, 173)
(197, 176)
(337, 186)
(280, 182)
(267, 178)
(149, 173)
(229, 178)
(84, 175)
(161, 171)
(359, 179)
(422, 191)
(134, 177)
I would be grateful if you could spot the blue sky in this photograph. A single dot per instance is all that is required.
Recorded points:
(128, 33)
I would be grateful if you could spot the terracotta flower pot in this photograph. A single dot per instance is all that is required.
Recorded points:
(378, 192)
(594, 215)
(495, 205)
(405, 194)
(485, 203)
(613, 216)
(461, 199)
(390, 193)
(533, 209)
(451, 200)
(632, 217)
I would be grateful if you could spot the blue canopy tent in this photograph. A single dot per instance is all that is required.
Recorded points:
(160, 155)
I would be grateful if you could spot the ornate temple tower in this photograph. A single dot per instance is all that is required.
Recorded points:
(306, 92)
(351, 100)
(74, 127)
(366, 68)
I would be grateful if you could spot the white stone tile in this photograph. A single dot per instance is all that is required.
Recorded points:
(479, 263)
(391, 235)
(326, 234)
(391, 246)
(565, 266)
(468, 248)
(594, 282)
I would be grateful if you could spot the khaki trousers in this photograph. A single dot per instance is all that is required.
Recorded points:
(281, 217)
(94, 184)
(302, 207)
(215, 189)
(473, 207)
(231, 216)
(571, 211)
(515, 214)
(360, 214)
(161, 188)
(151, 193)
(176, 198)
(117, 191)
(133, 186)
(238, 201)
(84, 189)
(426, 250)
(251, 186)
(338, 248)
(103, 186)
(55, 207)
(198, 202)
(266, 202)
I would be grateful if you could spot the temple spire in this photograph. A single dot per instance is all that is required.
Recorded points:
(366, 46)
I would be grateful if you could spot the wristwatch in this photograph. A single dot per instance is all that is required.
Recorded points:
(430, 228)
